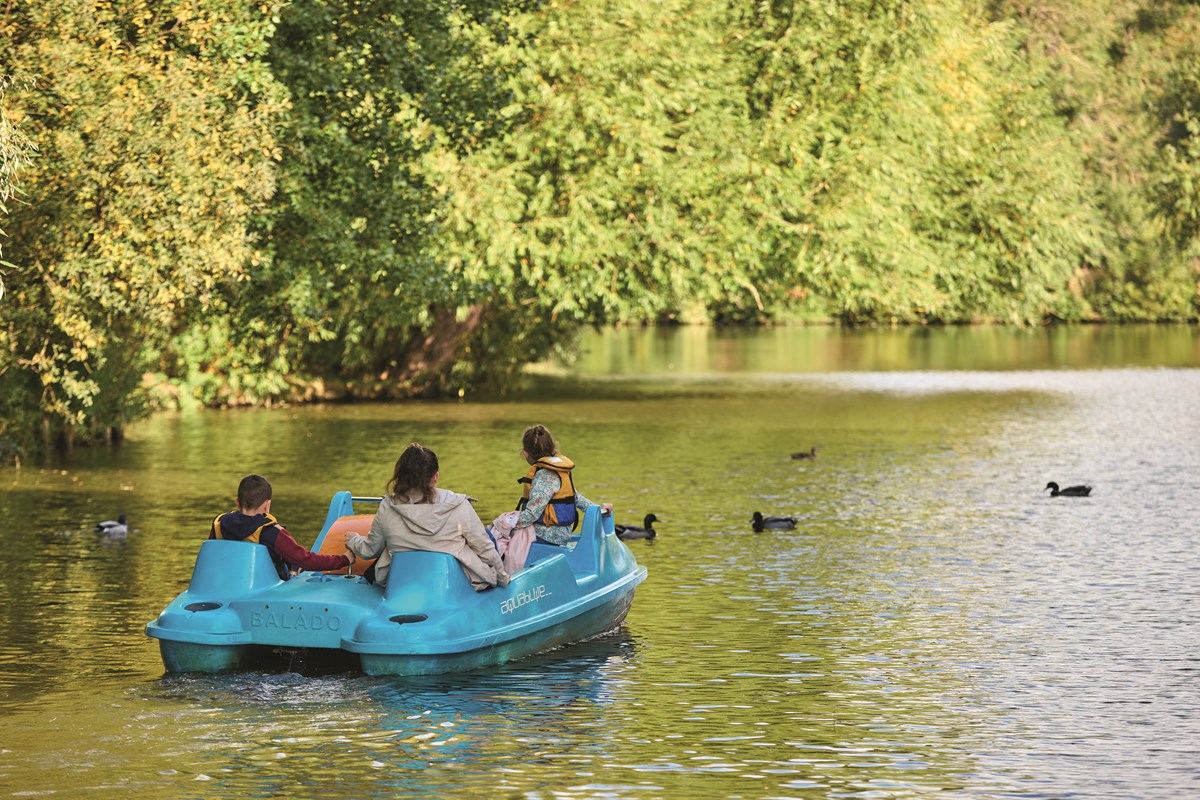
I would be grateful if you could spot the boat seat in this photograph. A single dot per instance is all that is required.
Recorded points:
(334, 542)
(539, 551)
(227, 568)
(417, 576)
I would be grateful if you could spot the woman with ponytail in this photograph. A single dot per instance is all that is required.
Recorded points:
(416, 515)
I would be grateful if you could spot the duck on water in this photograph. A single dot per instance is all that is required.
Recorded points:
(1070, 491)
(112, 527)
(762, 523)
(646, 531)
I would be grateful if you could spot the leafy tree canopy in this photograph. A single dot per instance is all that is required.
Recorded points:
(218, 202)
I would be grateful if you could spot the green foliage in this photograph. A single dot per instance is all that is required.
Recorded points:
(608, 199)
(154, 123)
(351, 281)
(1178, 189)
(17, 386)
(892, 161)
(16, 152)
(253, 202)
(1125, 83)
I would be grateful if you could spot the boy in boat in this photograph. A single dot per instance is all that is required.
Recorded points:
(252, 522)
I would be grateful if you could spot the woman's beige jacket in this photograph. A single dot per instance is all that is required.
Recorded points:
(447, 525)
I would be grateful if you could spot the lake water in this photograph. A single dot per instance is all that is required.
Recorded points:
(936, 625)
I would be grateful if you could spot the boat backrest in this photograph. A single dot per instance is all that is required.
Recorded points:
(583, 553)
(340, 505)
(582, 557)
(226, 568)
(540, 552)
(333, 541)
(418, 576)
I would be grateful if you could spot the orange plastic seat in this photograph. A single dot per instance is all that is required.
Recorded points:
(335, 540)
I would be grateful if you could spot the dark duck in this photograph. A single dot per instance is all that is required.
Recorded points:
(112, 527)
(809, 454)
(647, 531)
(762, 523)
(1070, 491)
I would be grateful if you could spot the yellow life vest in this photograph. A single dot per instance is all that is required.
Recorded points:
(264, 534)
(255, 536)
(561, 508)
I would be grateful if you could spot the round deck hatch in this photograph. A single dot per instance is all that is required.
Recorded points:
(201, 606)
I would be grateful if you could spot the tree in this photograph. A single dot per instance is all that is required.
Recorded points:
(155, 128)
(1121, 71)
(16, 155)
(352, 293)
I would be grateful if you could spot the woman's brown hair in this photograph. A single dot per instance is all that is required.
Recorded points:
(538, 442)
(414, 472)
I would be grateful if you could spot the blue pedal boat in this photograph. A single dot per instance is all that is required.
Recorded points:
(238, 614)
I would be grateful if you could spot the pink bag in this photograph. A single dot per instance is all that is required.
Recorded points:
(512, 543)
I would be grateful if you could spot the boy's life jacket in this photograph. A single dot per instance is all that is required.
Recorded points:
(260, 529)
(561, 508)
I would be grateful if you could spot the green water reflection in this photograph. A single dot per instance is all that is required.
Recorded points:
(703, 350)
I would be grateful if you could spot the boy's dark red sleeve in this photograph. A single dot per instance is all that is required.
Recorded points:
(291, 552)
